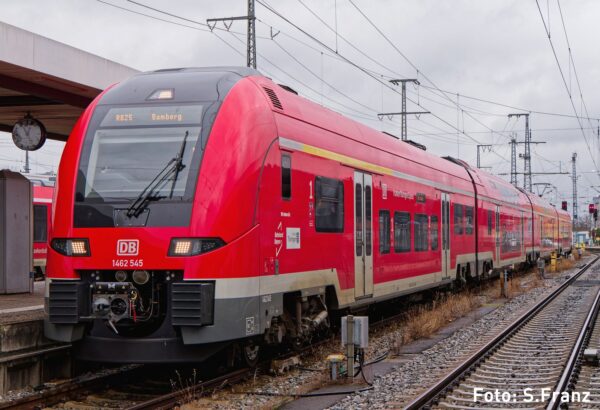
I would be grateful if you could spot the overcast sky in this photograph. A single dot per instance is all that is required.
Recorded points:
(494, 50)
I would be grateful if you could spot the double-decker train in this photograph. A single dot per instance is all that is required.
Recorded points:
(203, 209)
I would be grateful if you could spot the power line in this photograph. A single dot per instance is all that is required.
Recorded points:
(466, 108)
(357, 66)
(387, 68)
(565, 83)
(293, 78)
(391, 43)
(222, 40)
(366, 71)
(347, 41)
(320, 78)
(334, 56)
(150, 16)
(512, 107)
(573, 63)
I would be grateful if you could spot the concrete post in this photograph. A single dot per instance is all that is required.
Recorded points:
(350, 347)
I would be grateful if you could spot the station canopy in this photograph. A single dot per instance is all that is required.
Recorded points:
(49, 80)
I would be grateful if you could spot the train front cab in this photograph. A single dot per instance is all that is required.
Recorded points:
(148, 268)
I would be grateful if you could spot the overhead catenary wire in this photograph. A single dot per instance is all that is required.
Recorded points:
(424, 86)
(357, 66)
(393, 71)
(308, 87)
(331, 55)
(442, 91)
(349, 43)
(357, 114)
(562, 75)
(344, 58)
(305, 44)
(420, 72)
(562, 19)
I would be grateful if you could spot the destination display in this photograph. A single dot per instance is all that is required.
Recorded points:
(153, 115)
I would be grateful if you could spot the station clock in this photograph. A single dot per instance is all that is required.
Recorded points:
(29, 134)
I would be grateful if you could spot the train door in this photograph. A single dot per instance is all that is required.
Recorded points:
(498, 239)
(446, 262)
(363, 235)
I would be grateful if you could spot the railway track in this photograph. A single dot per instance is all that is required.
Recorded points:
(531, 358)
(582, 380)
(133, 389)
(138, 387)
(118, 391)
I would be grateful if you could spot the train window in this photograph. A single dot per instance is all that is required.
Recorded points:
(40, 223)
(434, 233)
(384, 232)
(368, 220)
(469, 221)
(489, 221)
(421, 233)
(286, 177)
(458, 219)
(329, 208)
(401, 232)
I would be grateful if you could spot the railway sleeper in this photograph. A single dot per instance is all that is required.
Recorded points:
(473, 406)
(531, 383)
(517, 378)
(511, 372)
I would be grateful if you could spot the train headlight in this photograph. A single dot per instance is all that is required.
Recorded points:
(193, 246)
(71, 247)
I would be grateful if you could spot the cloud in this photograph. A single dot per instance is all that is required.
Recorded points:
(495, 50)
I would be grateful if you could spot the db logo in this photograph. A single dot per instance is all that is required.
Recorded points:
(127, 247)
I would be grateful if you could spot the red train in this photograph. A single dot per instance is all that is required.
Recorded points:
(43, 191)
(199, 209)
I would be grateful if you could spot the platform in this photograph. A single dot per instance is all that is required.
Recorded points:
(27, 358)
(23, 307)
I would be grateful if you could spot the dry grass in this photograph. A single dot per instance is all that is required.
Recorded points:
(566, 264)
(524, 282)
(424, 321)
(191, 386)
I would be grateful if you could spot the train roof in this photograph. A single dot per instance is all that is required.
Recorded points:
(296, 106)
(140, 87)
(214, 83)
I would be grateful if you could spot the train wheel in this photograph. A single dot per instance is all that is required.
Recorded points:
(250, 354)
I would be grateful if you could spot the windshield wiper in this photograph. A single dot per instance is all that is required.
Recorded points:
(149, 193)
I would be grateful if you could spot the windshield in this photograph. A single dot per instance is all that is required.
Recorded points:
(132, 146)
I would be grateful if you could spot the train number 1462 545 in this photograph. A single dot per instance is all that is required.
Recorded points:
(127, 263)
